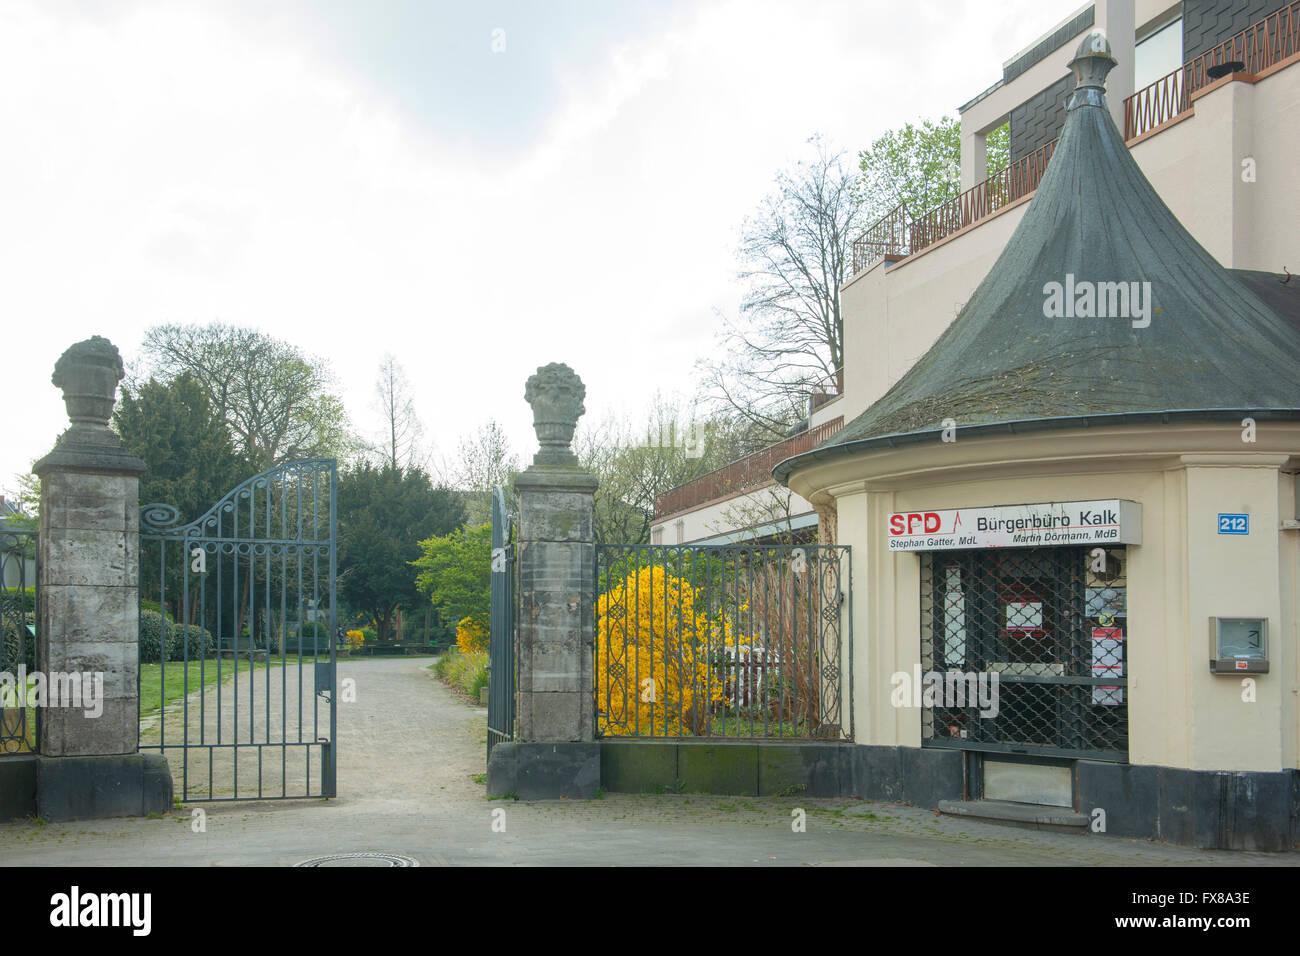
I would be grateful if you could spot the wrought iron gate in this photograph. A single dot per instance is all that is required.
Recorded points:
(501, 653)
(238, 638)
(19, 723)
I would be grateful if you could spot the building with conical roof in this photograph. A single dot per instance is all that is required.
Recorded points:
(1074, 531)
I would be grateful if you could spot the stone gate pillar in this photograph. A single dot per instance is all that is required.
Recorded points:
(555, 753)
(88, 607)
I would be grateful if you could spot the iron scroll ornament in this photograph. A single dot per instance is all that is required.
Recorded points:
(308, 478)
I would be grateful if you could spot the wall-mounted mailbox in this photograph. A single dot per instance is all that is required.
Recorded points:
(1238, 645)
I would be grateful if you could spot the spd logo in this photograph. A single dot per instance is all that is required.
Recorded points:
(914, 522)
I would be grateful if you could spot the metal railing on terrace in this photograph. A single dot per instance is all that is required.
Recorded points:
(1253, 50)
(752, 471)
(1259, 46)
(894, 234)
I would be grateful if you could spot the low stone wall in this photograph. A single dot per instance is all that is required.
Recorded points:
(1203, 809)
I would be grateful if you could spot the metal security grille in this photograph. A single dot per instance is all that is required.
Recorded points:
(502, 660)
(238, 638)
(19, 723)
(744, 641)
(1051, 624)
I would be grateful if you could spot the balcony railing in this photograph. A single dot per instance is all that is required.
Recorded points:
(1257, 47)
(887, 236)
(894, 234)
(830, 387)
(752, 471)
(983, 199)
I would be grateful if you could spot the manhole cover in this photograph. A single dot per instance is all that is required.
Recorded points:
(360, 859)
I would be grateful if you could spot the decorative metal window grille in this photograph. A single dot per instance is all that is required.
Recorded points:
(1051, 623)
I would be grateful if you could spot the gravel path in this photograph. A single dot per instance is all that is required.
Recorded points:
(409, 754)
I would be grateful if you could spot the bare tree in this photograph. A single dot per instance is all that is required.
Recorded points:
(483, 461)
(276, 400)
(796, 253)
(636, 463)
(402, 442)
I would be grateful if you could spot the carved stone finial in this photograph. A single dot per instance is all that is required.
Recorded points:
(1092, 62)
(88, 373)
(556, 394)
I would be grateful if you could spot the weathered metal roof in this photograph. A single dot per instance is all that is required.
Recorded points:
(1016, 354)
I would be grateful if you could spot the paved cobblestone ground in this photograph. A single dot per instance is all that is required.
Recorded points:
(408, 758)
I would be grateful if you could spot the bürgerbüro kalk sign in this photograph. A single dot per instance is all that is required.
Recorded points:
(1017, 526)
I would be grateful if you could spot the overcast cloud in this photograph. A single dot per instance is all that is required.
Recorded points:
(360, 178)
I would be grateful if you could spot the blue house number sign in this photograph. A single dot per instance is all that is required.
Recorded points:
(1234, 524)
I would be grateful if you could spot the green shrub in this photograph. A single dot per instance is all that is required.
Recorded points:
(467, 672)
(157, 638)
(147, 605)
(370, 634)
(201, 643)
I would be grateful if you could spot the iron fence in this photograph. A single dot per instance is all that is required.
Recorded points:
(743, 641)
(19, 723)
(1023, 651)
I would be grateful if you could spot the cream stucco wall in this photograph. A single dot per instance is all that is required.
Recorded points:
(1196, 167)
(1180, 715)
(893, 312)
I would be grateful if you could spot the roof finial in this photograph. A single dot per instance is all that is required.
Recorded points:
(1092, 61)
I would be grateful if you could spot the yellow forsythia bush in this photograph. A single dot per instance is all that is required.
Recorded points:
(355, 639)
(651, 647)
(471, 636)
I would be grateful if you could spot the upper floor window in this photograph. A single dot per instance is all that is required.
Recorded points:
(1158, 54)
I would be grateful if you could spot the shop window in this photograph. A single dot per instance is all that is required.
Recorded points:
(1052, 624)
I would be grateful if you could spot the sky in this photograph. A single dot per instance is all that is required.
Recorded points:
(478, 188)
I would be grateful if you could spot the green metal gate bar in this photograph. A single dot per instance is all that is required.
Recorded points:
(501, 648)
(238, 614)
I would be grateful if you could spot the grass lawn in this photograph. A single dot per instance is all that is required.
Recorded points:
(153, 691)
